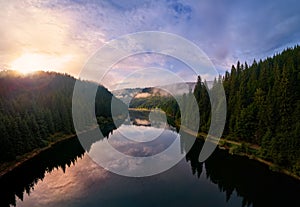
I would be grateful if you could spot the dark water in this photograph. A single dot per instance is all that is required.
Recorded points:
(66, 176)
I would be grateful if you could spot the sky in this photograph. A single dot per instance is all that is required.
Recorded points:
(62, 35)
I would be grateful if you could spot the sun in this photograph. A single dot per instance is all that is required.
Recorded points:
(28, 63)
(31, 62)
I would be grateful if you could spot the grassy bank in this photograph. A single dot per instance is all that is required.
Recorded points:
(247, 150)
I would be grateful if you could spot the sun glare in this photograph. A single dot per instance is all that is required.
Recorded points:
(28, 63)
(31, 62)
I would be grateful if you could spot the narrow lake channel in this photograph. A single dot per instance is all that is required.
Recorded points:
(66, 176)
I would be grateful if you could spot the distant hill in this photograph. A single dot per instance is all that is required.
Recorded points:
(128, 94)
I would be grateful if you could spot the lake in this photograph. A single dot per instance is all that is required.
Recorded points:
(65, 175)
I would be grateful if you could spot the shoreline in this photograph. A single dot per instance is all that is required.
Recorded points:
(10, 166)
(222, 146)
(7, 167)
(234, 144)
(138, 109)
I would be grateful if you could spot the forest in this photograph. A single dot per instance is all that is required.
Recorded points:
(36, 109)
(263, 107)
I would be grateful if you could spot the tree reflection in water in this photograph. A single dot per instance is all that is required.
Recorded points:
(253, 181)
(248, 179)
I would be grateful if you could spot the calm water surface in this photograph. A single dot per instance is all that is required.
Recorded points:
(66, 176)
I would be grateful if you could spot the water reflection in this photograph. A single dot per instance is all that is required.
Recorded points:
(135, 150)
(142, 118)
(253, 181)
(138, 136)
(65, 175)
(24, 178)
(193, 155)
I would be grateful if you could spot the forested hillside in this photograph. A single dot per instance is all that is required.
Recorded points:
(263, 102)
(37, 109)
(263, 107)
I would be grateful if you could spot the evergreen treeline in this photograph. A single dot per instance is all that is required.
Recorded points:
(263, 106)
(171, 105)
(166, 103)
(35, 108)
(263, 103)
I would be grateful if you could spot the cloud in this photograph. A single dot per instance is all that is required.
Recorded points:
(28, 30)
(226, 31)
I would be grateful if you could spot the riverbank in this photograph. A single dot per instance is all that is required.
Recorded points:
(54, 139)
(243, 149)
(139, 109)
(9, 166)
